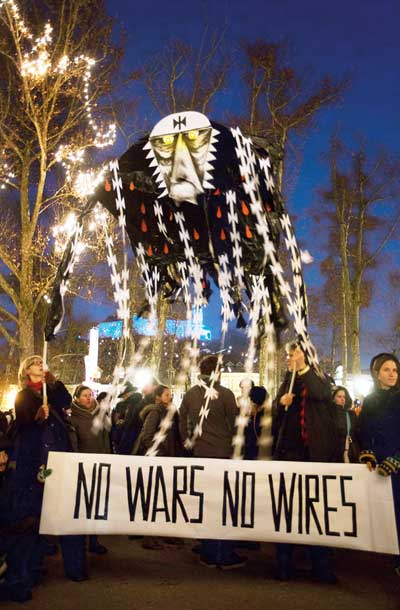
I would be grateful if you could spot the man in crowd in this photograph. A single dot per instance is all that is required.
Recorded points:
(214, 442)
(304, 431)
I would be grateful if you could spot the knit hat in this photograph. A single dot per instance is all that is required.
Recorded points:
(258, 395)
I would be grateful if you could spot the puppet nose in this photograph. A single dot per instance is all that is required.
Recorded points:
(183, 169)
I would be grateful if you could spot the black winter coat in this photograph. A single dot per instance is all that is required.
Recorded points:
(380, 423)
(341, 428)
(32, 442)
(319, 421)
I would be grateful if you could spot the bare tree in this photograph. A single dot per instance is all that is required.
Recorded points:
(362, 220)
(282, 108)
(50, 88)
(184, 77)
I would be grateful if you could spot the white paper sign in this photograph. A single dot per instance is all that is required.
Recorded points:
(340, 505)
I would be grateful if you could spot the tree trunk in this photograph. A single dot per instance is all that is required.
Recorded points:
(26, 334)
(344, 328)
(355, 328)
(157, 347)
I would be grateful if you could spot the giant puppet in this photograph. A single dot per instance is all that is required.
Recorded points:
(198, 202)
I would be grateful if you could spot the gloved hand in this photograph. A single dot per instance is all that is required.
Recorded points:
(368, 457)
(43, 473)
(390, 465)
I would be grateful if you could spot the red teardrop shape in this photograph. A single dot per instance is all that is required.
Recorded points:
(171, 215)
(131, 186)
(143, 226)
(217, 192)
(245, 209)
(166, 249)
(249, 234)
(107, 186)
(219, 213)
(196, 234)
(150, 250)
(143, 208)
(222, 235)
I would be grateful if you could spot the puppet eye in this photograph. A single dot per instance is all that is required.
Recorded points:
(169, 139)
(194, 134)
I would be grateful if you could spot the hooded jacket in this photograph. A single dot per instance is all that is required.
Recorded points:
(88, 440)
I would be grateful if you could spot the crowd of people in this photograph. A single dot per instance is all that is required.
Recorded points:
(312, 421)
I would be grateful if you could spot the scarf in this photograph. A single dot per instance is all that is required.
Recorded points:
(36, 386)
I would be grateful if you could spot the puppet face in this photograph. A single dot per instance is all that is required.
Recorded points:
(181, 147)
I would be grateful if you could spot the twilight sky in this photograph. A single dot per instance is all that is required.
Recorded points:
(357, 37)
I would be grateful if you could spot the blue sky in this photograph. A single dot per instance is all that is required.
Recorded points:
(357, 37)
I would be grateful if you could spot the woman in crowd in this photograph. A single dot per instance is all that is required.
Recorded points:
(92, 425)
(380, 427)
(346, 426)
(152, 416)
(304, 430)
(41, 427)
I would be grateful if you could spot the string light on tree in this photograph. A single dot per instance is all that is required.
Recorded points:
(37, 65)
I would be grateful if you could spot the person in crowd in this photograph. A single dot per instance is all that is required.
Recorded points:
(89, 437)
(214, 442)
(152, 416)
(380, 427)
(21, 548)
(132, 425)
(346, 426)
(129, 399)
(161, 414)
(252, 433)
(304, 430)
(41, 427)
(243, 400)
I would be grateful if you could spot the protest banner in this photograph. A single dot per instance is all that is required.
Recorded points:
(341, 505)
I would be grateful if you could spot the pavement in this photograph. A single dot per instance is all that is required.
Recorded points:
(129, 577)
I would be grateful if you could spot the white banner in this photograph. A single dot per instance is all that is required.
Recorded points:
(340, 505)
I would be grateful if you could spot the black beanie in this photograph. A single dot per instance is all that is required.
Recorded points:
(258, 395)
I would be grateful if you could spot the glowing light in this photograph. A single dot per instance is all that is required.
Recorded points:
(168, 139)
(362, 385)
(36, 65)
(141, 377)
(9, 398)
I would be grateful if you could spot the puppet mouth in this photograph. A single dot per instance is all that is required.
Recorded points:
(184, 191)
